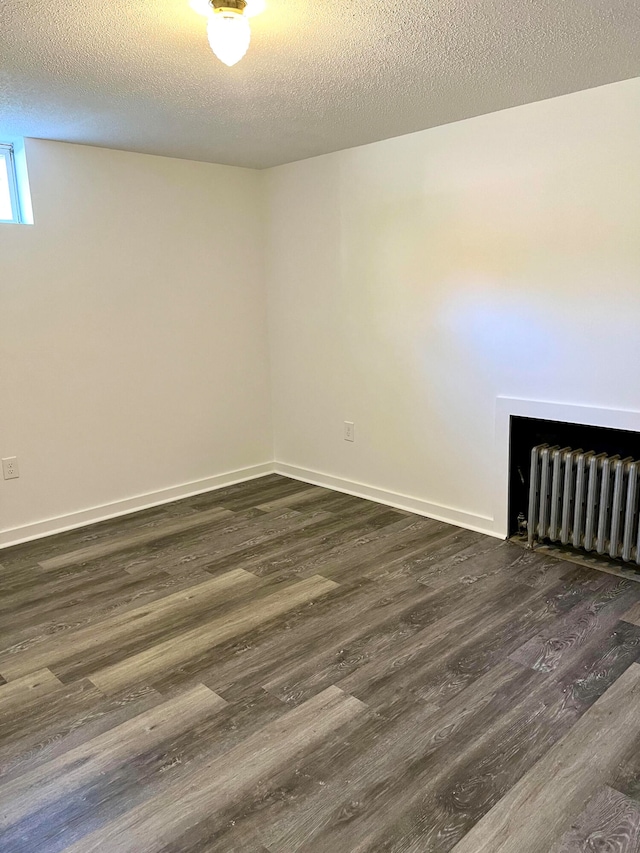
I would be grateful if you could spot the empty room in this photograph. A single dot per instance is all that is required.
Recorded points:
(320, 426)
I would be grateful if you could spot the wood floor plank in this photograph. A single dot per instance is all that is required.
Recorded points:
(544, 651)
(538, 572)
(347, 611)
(463, 643)
(70, 716)
(594, 667)
(217, 787)
(626, 778)
(170, 654)
(117, 628)
(610, 821)
(359, 625)
(470, 661)
(391, 555)
(349, 559)
(253, 488)
(323, 531)
(633, 614)
(224, 540)
(59, 778)
(346, 561)
(249, 820)
(169, 528)
(86, 663)
(437, 816)
(456, 773)
(476, 561)
(340, 503)
(263, 491)
(33, 590)
(368, 778)
(368, 663)
(69, 606)
(471, 557)
(296, 500)
(539, 808)
(27, 689)
(250, 492)
(451, 550)
(30, 553)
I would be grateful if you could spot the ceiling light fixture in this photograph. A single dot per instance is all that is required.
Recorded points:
(228, 26)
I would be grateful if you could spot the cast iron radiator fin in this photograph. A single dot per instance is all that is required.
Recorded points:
(585, 499)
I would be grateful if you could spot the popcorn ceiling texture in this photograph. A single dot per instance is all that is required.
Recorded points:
(319, 76)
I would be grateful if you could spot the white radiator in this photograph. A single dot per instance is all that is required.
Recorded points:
(586, 500)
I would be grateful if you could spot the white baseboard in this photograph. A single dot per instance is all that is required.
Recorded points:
(39, 529)
(50, 526)
(478, 523)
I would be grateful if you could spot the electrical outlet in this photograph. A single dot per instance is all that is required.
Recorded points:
(10, 468)
(349, 431)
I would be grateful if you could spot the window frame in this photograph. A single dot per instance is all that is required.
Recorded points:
(8, 154)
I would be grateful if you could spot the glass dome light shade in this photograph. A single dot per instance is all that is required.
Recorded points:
(229, 35)
(202, 7)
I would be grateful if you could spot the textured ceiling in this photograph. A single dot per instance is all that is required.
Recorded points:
(318, 77)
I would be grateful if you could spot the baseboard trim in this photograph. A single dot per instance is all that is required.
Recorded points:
(72, 521)
(50, 526)
(478, 523)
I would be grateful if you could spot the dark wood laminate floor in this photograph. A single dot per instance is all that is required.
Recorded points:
(274, 667)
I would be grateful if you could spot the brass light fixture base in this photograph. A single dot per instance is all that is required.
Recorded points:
(235, 5)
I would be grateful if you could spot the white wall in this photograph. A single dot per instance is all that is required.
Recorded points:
(415, 280)
(133, 351)
(411, 283)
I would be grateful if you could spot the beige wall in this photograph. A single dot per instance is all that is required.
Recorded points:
(133, 353)
(414, 281)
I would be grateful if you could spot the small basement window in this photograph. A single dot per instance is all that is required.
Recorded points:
(9, 199)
